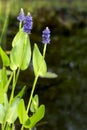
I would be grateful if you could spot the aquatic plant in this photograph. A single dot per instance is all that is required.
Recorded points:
(13, 107)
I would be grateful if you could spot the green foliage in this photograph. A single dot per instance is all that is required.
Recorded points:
(39, 63)
(34, 104)
(22, 114)
(12, 106)
(29, 122)
(4, 57)
(21, 52)
(21, 93)
(2, 114)
(50, 75)
(6, 104)
(8, 127)
(3, 81)
(35, 118)
(12, 111)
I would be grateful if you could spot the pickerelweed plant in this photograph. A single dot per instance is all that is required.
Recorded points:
(13, 107)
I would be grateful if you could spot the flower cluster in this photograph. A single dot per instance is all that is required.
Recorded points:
(28, 24)
(21, 16)
(27, 21)
(46, 36)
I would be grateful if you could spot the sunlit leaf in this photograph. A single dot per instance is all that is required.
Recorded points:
(21, 93)
(36, 117)
(26, 54)
(9, 127)
(4, 76)
(34, 103)
(50, 75)
(1, 94)
(3, 81)
(17, 39)
(39, 63)
(12, 112)
(4, 57)
(2, 113)
(5, 102)
(22, 114)
(21, 52)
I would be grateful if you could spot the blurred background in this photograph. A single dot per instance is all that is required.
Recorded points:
(66, 96)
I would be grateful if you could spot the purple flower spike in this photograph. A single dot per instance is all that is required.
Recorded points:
(21, 16)
(27, 27)
(46, 36)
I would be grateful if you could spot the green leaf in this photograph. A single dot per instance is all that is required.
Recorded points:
(6, 102)
(39, 63)
(36, 117)
(17, 39)
(50, 75)
(13, 65)
(1, 94)
(22, 114)
(12, 112)
(4, 77)
(27, 55)
(21, 52)
(21, 93)
(8, 127)
(3, 82)
(4, 57)
(2, 114)
(34, 103)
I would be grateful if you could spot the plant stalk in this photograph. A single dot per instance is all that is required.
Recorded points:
(31, 95)
(33, 88)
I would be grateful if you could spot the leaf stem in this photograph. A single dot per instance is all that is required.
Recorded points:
(2, 127)
(7, 85)
(13, 126)
(13, 87)
(33, 87)
(35, 81)
(20, 24)
(15, 78)
(31, 95)
(44, 50)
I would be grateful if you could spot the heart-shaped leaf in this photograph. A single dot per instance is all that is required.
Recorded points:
(21, 52)
(39, 63)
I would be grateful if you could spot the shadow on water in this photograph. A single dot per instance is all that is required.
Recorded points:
(66, 96)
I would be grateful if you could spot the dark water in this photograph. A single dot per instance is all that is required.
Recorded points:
(65, 97)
